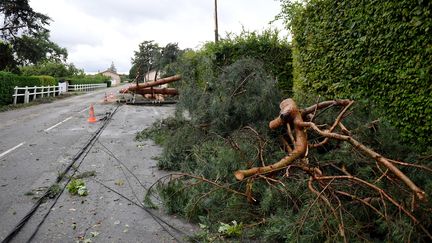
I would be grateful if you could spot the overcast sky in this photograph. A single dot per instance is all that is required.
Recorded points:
(98, 32)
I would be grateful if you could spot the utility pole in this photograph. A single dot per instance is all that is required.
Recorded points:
(216, 22)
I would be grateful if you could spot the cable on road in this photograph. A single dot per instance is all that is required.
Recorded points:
(159, 220)
(83, 154)
(110, 153)
(36, 205)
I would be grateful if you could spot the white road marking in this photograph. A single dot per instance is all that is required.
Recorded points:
(12, 149)
(46, 130)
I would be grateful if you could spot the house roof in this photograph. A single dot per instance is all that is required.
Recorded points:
(109, 71)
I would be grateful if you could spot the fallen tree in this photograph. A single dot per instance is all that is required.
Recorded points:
(163, 91)
(298, 122)
(154, 83)
(326, 187)
(148, 88)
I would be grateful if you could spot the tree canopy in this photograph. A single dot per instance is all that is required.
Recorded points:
(24, 36)
(54, 69)
(145, 58)
(150, 56)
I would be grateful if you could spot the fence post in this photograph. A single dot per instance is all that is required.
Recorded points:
(15, 95)
(26, 95)
(34, 93)
(54, 88)
(42, 92)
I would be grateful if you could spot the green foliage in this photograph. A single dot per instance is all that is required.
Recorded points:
(234, 230)
(178, 136)
(77, 187)
(243, 94)
(38, 48)
(7, 60)
(24, 35)
(220, 95)
(267, 47)
(18, 17)
(145, 59)
(55, 69)
(88, 79)
(8, 81)
(376, 50)
(169, 55)
(54, 190)
(45, 80)
(150, 56)
(291, 212)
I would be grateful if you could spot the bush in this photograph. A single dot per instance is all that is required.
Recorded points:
(210, 142)
(284, 210)
(8, 81)
(88, 79)
(55, 69)
(244, 94)
(378, 51)
(46, 81)
(267, 47)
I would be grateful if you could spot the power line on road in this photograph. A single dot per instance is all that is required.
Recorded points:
(35, 206)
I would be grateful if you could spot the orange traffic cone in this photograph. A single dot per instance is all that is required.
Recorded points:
(92, 117)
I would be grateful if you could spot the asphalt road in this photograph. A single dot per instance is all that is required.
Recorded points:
(39, 141)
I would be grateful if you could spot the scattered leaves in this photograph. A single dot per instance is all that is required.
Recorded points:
(77, 187)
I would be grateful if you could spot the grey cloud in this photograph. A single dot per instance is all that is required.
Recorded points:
(136, 10)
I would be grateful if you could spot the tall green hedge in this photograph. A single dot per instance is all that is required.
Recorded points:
(380, 51)
(45, 80)
(268, 47)
(8, 81)
(88, 79)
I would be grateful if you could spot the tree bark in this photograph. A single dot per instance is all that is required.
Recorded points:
(289, 112)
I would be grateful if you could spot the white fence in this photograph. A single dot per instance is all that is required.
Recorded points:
(32, 93)
(86, 87)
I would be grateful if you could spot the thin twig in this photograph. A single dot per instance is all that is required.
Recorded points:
(382, 193)
(372, 154)
(326, 201)
(411, 165)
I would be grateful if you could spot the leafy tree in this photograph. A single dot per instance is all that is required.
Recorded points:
(152, 57)
(31, 50)
(20, 19)
(133, 71)
(169, 55)
(55, 69)
(145, 58)
(25, 36)
(7, 61)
